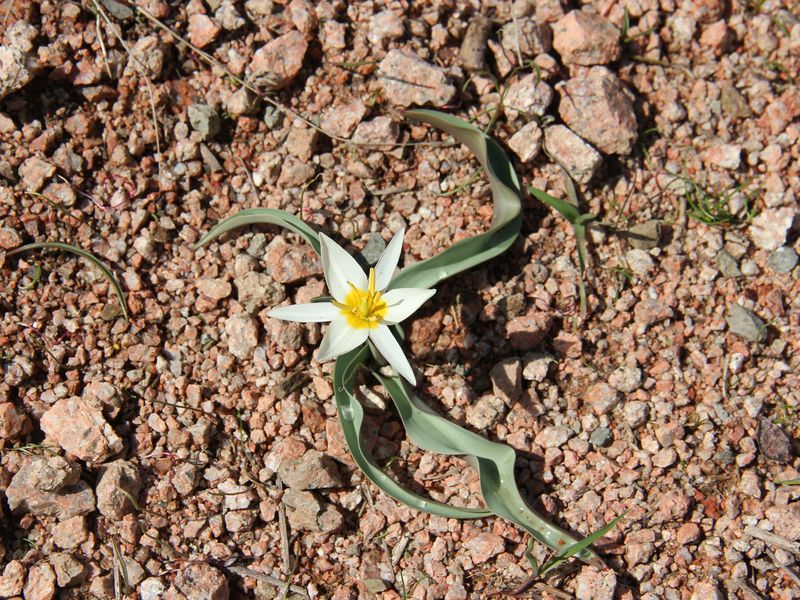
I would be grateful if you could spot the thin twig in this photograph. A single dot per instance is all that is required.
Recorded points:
(142, 73)
(786, 568)
(773, 539)
(286, 554)
(8, 12)
(277, 582)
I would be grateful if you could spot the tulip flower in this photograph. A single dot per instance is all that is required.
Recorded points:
(361, 309)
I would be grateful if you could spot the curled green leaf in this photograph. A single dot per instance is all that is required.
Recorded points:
(494, 463)
(83, 254)
(506, 219)
(257, 216)
(351, 417)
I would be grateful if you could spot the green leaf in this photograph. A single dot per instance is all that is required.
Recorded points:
(351, 417)
(83, 254)
(494, 463)
(578, 221)
(257, 216)
(506, 219)
(579, 547)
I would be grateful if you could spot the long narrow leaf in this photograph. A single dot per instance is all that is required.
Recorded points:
(83, 254)
(506, 220)
(256, 216)
(578, 222)
(351, 417)
(567, 553)
(494, 462)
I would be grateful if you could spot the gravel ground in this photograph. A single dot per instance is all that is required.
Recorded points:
(194, 452)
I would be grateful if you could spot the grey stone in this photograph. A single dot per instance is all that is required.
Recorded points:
(374, 248)
(601, 437)
(485, 412)
(204, 120)
(645, 236)
(746, 324)
(117, 9)
(783, 260)
(473, 47)
(727, 264)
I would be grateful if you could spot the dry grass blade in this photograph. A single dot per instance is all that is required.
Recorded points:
(83, 254)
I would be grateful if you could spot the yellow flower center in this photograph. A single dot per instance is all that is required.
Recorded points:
(363, 308)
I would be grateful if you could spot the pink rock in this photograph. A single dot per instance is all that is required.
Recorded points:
(41, 583)
(597, 108)
(291, 263)
(527, 142)
(602, 398)
(574, 155)
(527, 97)
(9, 238)
(302, 15)
(276, 64)
(342, 119)
(688, 533)
(69, 571)
(406, 79)
(118, 481)
(216, 289)
(527, 331)
(594, 584)
(15, 70)
(649, 311)
(242, 334)
(384, 26)
(13, 423)
(718, 37)
(485, 546)
(586, 38)
(506, 379)
(375, 131)
(786, 519)
(12, 580)
(202, 582)
(769, 229)
(202, 30)
(34, 172)
(725, 156)
(49, 486)
(81, 429)
(70, 533)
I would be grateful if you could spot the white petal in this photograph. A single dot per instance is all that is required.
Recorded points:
(403, 302)
(387, 263)
(340, 338)
(387, 345)
(339, 268)
(316, 312)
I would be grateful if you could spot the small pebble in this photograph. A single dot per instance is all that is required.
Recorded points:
(746, 324)
(783, 260)
(601, 437)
